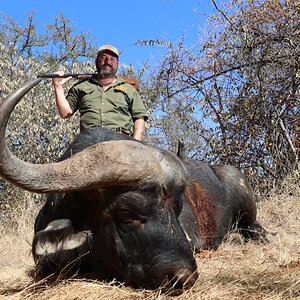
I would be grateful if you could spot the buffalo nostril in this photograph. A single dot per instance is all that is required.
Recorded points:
(183, 279)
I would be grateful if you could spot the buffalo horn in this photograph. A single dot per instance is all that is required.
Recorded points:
(111, 163)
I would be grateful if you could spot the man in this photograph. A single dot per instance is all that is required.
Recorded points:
(103, 100)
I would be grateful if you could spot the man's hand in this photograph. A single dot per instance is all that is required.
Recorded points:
(62, 104)
(59, 82)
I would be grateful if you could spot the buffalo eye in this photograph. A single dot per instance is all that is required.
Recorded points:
(124, 216)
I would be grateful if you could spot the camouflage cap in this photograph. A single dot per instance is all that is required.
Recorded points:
(108, 48)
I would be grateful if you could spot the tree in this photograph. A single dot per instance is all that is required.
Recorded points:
(234, 97)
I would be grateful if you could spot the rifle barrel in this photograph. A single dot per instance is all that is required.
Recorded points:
(64, 75)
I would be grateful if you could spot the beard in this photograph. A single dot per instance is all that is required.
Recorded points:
(107, 71)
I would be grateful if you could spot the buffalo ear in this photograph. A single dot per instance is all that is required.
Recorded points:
(181, 150)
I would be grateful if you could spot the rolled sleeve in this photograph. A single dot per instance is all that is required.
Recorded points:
(72, 98)
(138, 109)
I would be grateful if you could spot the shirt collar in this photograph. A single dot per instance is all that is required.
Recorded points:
(116, 82)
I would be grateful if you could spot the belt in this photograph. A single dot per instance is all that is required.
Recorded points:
(119, 130)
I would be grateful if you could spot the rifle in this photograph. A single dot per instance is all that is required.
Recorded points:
(77, 76)
(130, 80)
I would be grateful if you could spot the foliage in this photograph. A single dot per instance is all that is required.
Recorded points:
(234, 97)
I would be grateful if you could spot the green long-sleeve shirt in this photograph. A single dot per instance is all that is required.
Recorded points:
(116, 107)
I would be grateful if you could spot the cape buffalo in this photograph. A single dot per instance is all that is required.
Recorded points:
(118, 208)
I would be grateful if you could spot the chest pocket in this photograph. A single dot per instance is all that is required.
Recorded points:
(120, 100)
(88, 98)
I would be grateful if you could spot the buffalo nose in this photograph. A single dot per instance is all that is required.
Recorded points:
(183, 279)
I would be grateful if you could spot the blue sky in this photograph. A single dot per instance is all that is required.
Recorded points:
(121, 23)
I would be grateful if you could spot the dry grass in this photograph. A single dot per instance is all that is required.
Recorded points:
(244, 271)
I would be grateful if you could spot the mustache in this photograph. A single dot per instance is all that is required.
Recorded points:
(107, 65)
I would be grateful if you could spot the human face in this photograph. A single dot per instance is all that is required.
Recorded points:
(107, 64)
